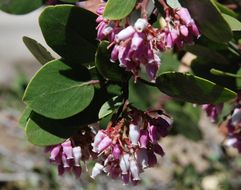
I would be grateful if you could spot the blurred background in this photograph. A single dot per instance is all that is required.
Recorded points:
(194, 160)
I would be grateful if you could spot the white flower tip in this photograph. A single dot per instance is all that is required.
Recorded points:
(140, 24)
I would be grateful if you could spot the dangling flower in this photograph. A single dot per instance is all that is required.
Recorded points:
(213, 111)
(69, 154)
(130, 145)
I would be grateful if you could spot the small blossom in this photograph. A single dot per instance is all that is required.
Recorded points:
(98, 168)
(134, 134)
(213, 111)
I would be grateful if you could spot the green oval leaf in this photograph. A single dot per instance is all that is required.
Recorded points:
(70, 31)
(118, 9)
(24, 117)
(59, 91)
(210, 21)
(108, 69)
(36, 135)
(190, 88)
(44, 131)
(234, 24)
(38, 51)
(19, 7)
(109, 106)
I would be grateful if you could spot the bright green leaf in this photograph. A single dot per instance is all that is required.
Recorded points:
(19, 7)
(70, 31)
(192, 89)
(59, 91)
(109, 106)
(234, 24)
(44, 131)
(38, 136)
(118, 9)
(38, 51)
(24, 117)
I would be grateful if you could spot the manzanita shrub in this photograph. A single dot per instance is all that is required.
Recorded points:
(94, 103)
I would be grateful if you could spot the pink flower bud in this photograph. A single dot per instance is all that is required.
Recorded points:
(97, 169)
(67, 149)
(134, 169)
(151, 70)
(142, 158)
(195, 30)
(125, 33)
(98, 138)
(184, 30)
(77, 155)
(169, 41)
(153, 133)
(65, 161)
(124, 163)
(134, 134)
(185, 16)
(55, 152)
(174, 34)
(115, 53)
(100, 33)
(144, 138)
(140, 24)
(137, 40)
(105, 143)
(117, 151)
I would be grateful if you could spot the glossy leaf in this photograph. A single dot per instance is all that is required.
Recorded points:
(59, 91)
(192, 89)
(109, 106)
(118, 9)
(45, 131)
(25, 117)
(38, 136)
(38, 51)
(209, 19)
(108, 69)
(234, 24)
(19, 7)
(70, 31)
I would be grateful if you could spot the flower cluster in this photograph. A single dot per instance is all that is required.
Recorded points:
(128, 147)
(69, 154)
(212, 111)
(137, 43)
(234, 130)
